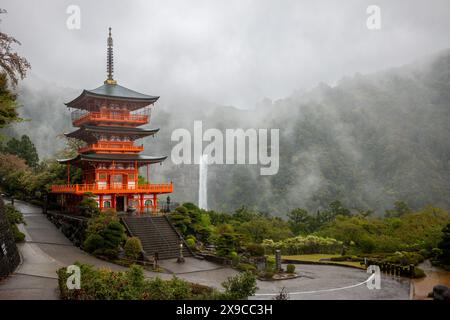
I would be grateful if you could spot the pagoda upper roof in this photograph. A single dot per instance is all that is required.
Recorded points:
(108, 157)
(88, 132)
(113, 91)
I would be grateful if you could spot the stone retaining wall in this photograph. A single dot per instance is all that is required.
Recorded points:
(74, 228)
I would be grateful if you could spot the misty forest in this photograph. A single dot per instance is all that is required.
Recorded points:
(369, 141)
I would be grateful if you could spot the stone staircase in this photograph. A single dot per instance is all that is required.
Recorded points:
(157, 234)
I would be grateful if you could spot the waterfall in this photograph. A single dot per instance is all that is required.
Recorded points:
(203, 183)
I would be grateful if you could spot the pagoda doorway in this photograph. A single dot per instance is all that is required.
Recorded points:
(120, 203)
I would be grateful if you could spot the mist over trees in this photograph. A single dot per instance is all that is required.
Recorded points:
(369, 141)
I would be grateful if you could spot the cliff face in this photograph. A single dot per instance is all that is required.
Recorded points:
(9, 255)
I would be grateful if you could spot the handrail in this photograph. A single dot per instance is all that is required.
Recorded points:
(95, 188)
(113, 146)
(109, 116)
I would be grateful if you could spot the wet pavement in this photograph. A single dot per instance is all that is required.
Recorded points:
(46, 250)
(320, 282)
(434, 276)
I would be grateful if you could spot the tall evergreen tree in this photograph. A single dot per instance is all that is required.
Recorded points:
(23, 148)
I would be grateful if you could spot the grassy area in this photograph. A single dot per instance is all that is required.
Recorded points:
(317, 257)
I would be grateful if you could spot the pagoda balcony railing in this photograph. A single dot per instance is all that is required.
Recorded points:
(79, 118)
(113, 188)
(112, 147)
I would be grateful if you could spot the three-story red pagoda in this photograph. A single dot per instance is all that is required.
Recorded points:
(108, 120)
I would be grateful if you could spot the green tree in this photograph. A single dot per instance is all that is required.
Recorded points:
(258, 229)
(300, 221)
(13, 67)
(444, 245)
(8, 104)
(337, 208)
(400, 209)
(24, 149)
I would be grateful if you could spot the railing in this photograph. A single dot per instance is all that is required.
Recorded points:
(112, 147)
(109, 117)
(113, 188)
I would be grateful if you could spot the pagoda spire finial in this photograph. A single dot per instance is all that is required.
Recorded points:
(110, 61)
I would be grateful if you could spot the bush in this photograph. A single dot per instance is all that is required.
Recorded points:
(108, 253)
(18, 236)
(105, 235)
(418, 273)
(290, 268)
(93, 242)
(239, 287)
(114, 234)
(255, 250)
(13, 215)
(270, 263)
(246, 267)
(103, 284)
(268, 274)
(304, 245)
(14, 218)
(191, 243)
(133, 248)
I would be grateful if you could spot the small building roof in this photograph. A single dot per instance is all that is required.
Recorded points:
(90, 133)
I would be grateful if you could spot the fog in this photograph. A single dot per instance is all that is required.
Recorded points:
(229, 52)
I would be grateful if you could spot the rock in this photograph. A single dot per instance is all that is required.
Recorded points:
(441, 292)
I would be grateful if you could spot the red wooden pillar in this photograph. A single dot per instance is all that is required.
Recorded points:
(155, 203)
(136, 175)
(113, 201)
(100, 202)
(141, 203)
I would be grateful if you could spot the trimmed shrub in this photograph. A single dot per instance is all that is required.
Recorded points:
(418, 273)
(290, 268)
(93, 242)
(267, 274)
(133, 248)
(304, 245)
(191, 243)
(246, 267)
(105, 234)
(88, 207)
(14, 218)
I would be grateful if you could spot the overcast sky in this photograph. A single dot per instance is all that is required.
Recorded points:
(232, 52)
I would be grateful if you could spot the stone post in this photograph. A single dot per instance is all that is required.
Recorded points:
(277, 260)
(180, 258)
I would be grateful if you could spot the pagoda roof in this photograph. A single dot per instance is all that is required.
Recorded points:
(100, 157)
(113, 92)
(87, 132)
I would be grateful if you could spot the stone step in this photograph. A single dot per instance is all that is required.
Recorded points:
(156, 235)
